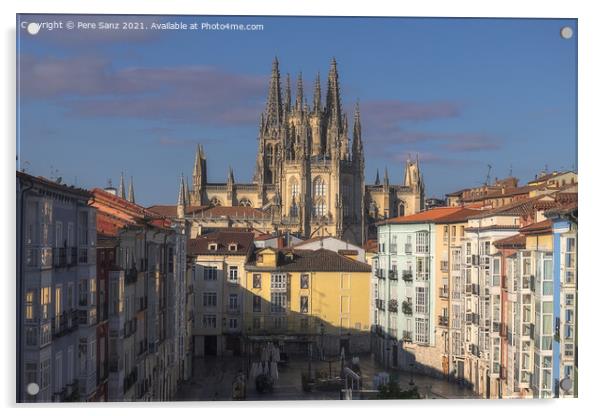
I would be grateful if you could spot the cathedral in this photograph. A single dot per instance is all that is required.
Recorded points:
(309, 172)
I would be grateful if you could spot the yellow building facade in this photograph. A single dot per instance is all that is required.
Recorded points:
(309, 295)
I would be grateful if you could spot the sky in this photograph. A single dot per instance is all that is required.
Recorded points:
(461, 94)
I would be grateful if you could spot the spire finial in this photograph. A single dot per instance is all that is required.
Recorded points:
(181, 192)
(287, 93)
(274, 103)
(377, 180)
(299, 99)
(317, 94)
(121, 191)
(386, 177)
(131, 197)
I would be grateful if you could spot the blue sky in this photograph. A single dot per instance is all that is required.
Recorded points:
(460, 93)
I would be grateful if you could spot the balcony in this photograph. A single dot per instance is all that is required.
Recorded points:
(406, 336)
(380, 304)
(65, 324)
(393, 305)
(38, 257)
(443, 320)
(393, 274)
(59, 257)
(406, 307)
(444, 292)
(380, 273)
(407, 275)
(83, 255)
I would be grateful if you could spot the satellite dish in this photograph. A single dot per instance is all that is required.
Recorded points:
(566, 384)
(33, 389)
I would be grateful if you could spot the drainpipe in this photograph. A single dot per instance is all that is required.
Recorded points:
(20, 298)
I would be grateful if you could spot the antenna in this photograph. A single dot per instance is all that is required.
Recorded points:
(488, 178)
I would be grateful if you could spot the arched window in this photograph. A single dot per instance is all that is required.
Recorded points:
(294, 209)
(401, 209)
(319, 208)
(269, 152)
(215, 202)
(319, 187)
(245, 203)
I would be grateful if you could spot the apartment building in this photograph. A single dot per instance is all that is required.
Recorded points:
(56, 292)
(565, 364)
(219, 260)
(418, 261)
(308, 296)
(144, 261)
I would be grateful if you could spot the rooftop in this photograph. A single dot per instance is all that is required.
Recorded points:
(223, 240)
(435, 215)
(321, 260)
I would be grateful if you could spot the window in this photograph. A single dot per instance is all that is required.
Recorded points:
(29, 299)
(256, 323)
(45, 302)
(213, 246)
(210, 273)
(422, 269)
(280, 322)
(209, 299)
(319, 209)
(421, 300)
(44, 374)
(421, 330)
(445, 233)
(31, 373)
(422, 242)
(569, 299)
(256, 280)
(319, 187)
(233, 274)
(304, 281)
(233, 302)
(209, 321)
(256, 303)
(278, 281)
(278, 300)
(304, 302)
(232, 247)
(233, 323)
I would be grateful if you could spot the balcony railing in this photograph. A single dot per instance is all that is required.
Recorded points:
(393, 274)
(380, 304)
(407, 275)
(380, 273)
(393, 305)
(65, 324)
(406, 336)
(406, 307)
(443, 320)
(444, 292)
(59, 257)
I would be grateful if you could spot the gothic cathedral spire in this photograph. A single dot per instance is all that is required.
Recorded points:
(273, 108)
(121, 191)
(131, 197)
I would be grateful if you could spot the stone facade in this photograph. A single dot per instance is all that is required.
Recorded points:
(309, 174)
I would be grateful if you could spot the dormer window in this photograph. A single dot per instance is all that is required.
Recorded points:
(232, 247)
(213, 246)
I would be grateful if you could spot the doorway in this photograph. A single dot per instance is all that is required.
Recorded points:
(210, 345)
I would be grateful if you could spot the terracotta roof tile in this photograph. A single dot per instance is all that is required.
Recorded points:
(321, 260)
(243, 239)
(537, 227)
(514, 241)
